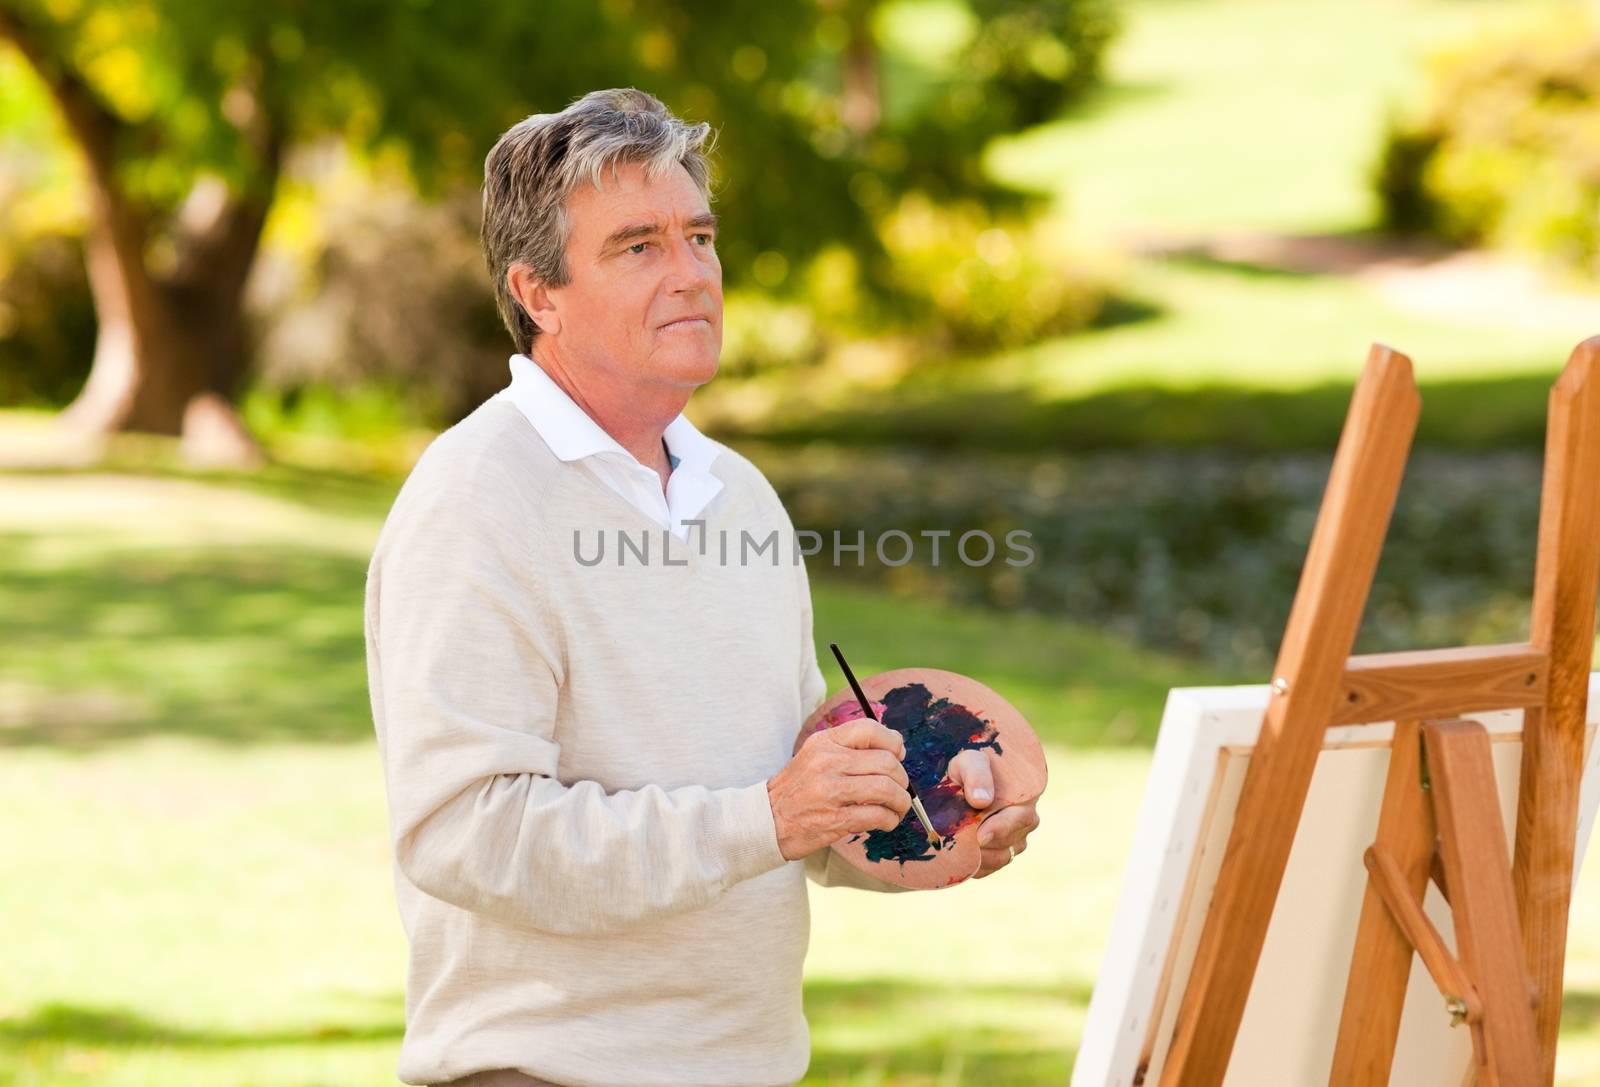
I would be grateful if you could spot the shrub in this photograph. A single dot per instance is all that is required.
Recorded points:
(1505, 149)
(983, 282)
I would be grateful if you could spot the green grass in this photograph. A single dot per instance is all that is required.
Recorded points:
(1244, 113)
(196, 829)
(1212, 326)
(187, 913)
(175, 624)
(198, 887)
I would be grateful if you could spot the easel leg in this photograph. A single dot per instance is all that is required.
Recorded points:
(1482, 900)
(1563, 624)
(1311, 661)
(1380, 968)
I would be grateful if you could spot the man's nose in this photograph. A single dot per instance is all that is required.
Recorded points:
(690, 272)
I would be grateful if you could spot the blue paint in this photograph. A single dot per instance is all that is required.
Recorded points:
(935, 731)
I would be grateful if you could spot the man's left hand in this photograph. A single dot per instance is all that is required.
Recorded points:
(1004, 834)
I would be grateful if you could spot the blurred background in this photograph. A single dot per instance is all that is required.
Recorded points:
(1100, 270)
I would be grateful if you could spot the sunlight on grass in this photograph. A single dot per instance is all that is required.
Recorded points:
(1250, 113)
(1272, 357)
(1321, 329)
(227, 919)
(205, 895)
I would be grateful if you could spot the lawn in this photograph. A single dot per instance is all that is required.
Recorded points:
(195, 818)
(199, 890)
(1241, 113)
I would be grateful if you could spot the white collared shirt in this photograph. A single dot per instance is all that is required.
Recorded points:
(572, 434)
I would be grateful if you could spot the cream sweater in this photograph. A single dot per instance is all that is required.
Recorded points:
(576, 758)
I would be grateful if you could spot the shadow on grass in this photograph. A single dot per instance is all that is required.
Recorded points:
(1491, 413)
(1302, 256)
(915, 1032)
(240, 644)
(78, 1025)
(262, 644)
(1126, 309)
(1113, 97)
(1580, 1010)
(1203, 260)
(1075, 685)
(878, 1030)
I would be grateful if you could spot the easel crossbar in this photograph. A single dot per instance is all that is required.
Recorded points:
(1432, 684)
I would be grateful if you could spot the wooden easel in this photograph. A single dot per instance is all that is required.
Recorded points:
(1440, 816)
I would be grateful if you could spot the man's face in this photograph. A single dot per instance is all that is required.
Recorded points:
(643, 303)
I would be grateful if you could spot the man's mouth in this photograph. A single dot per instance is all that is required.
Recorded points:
(686, 322)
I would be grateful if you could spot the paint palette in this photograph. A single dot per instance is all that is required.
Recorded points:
(939, 714)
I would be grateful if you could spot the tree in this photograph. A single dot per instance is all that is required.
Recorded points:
(183, 114)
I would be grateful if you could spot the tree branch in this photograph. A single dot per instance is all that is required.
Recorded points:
(92, 122)
(94, 126)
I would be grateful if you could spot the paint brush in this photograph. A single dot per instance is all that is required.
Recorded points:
(866, 707)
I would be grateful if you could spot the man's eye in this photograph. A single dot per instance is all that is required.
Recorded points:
(637, 247)
(707, 237)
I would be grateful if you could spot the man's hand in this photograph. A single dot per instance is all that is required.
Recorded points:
(843, 780)
(1005, 833)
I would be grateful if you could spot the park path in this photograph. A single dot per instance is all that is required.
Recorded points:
(1463, 286)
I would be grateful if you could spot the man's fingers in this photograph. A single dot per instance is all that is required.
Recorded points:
(876, 789)
(862, 817)
(1008, 826)
(878, 761)
(971, 771)
(867, 733)
(992, 860)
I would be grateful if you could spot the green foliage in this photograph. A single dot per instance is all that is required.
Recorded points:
(827, 113)
(1506, 148)
(47, 322)
(988, 283)
(373, 412)
(363, 283)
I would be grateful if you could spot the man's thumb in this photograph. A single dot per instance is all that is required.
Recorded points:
(970, 770)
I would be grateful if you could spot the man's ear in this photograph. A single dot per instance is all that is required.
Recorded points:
(534, 296)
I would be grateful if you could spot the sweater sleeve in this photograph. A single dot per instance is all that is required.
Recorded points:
(465, 671)
(824, 867)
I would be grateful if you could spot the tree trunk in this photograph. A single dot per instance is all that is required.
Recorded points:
(172, 348)
(169, 357)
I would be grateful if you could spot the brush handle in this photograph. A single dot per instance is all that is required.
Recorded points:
(866, 705)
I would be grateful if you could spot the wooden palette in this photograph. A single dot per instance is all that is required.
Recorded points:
(938, 713)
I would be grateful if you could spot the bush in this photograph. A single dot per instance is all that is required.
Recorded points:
(981, 282)
(1506, 148)
(363, 283)
(1197, 552)
(47, 321)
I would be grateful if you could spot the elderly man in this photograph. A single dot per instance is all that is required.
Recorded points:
(601, 840)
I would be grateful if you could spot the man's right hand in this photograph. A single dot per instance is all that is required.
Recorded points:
(843, 780)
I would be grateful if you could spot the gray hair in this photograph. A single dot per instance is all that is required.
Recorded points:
(540, 160)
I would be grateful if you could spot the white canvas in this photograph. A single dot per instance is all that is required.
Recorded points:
(1291, 1019)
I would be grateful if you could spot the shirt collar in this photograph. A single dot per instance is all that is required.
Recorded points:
(571, 433)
